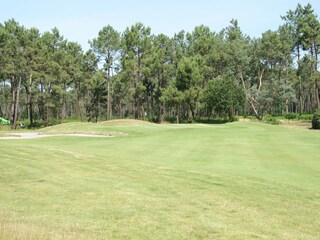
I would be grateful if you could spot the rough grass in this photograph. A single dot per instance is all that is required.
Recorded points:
(4, 128)
(231, 181)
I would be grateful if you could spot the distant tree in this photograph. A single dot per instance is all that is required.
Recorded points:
(224, 96)
(74, 68)
(188, 82)
(107, 46)
(172, 99)
(136, 50)
(305, 32)
(83, 84)
(45, 77)
(179, 47)
(310, 31)
(242, 61)
(161, 74)
(52, 83)
(14, 62)
(272, 61)
(97, 96)
(33, 60)
(5, 88)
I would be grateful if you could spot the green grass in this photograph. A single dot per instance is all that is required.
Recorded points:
(241, 180)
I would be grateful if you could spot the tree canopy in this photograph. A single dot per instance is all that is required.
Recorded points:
(136, 74)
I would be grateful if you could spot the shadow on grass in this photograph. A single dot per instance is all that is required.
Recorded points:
(214, 121)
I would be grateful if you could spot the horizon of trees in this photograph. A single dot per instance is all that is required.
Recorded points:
(135, 74)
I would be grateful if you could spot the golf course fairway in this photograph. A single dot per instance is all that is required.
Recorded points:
(242, 180)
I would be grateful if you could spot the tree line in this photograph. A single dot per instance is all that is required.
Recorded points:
(136, 74)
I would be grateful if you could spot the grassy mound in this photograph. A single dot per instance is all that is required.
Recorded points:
(113, 127)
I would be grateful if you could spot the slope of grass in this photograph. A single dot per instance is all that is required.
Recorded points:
(230, 181)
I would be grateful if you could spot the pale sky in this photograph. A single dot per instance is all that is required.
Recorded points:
(81, 20)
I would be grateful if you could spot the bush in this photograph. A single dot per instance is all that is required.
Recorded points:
(305, 117)
(316, 120)
(250, 117)
(170, 119)
(271, 120)
(290, 116)
(36, 125)
(233, 119)
(212, 121)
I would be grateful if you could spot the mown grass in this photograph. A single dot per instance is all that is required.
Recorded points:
(228, 181)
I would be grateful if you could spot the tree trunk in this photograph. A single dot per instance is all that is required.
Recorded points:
(79, 106)
(4, 98)
(300, 84)
(98, 110)
(47, 115)
(31, 112)
(177, 114)
(316, 91)
(161, 113)
(192, 110)
(64, 113)
(29, 100)
(109, 65)
(287, 106)
(260, 79)
(252, 103)
(16, 105)
(251, 100)
(13, 94)
(14, 98)
(316, 85)
(108, 99)
(64, 109)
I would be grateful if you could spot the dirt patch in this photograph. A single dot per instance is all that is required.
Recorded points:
(298, 125)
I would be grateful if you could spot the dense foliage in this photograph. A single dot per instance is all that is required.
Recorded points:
(136, 74)
(316, 120)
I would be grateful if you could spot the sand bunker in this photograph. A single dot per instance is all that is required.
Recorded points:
(33, 135)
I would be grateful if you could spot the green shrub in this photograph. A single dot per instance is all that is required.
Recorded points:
(170, 119)
(249, 117)
(271, 120)
(290, 116)
(36, 125)
(316, 120)
(305, 117)
(233, 119)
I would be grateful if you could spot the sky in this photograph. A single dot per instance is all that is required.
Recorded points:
(81, 20)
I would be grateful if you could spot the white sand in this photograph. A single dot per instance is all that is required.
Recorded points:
(33, 135)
